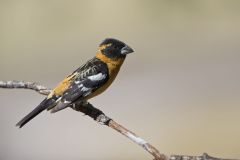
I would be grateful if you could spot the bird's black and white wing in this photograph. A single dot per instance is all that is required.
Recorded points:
(89, 78)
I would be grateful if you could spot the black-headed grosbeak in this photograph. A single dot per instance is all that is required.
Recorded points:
(87, 81)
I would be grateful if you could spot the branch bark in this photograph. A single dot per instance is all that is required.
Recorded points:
(101, 118)
(25, 85)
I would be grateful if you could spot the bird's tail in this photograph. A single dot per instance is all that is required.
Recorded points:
(42, 106)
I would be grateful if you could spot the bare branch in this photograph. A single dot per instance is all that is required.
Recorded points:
(25, 85)
(101, 118)
(132, 136)
(205, 156)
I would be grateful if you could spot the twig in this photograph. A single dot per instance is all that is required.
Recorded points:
(132, 136)
(101, 118)
(25, 85)
(205, 156)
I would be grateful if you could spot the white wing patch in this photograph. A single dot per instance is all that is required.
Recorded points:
(84, 89)
(60, 106)
(80, 86)
(77, 82)
(97, 77)
(65, 101)
(58, 99)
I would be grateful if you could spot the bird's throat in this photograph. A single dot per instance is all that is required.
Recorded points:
(113, 64)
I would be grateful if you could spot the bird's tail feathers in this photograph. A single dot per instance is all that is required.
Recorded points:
(42, 106)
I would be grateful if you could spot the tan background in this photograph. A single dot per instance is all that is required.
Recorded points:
(180, 90)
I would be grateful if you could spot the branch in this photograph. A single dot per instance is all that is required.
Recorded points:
(205, 156)
(101, 118)
(25, 85)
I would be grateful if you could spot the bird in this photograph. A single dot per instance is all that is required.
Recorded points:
(86, 82)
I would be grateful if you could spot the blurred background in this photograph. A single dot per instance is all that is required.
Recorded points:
(180, 90)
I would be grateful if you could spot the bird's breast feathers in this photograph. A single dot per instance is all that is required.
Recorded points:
(113, 67)
(112, 75)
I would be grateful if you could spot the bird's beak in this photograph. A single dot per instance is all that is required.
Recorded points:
(126, 50)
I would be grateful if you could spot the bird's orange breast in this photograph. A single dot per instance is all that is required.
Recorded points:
(113, 69)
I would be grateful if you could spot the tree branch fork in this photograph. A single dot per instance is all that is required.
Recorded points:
(101, 118)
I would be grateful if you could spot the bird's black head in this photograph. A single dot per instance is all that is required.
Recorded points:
(113, 48)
